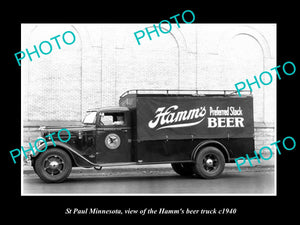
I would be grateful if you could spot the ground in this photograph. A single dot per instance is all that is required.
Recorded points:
(154, 180)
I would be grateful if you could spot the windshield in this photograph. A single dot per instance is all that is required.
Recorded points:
(90, 118)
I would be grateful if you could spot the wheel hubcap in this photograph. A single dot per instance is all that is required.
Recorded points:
(53, 165)
(210, 162)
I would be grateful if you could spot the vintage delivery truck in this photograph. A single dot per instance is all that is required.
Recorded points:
(197, 132)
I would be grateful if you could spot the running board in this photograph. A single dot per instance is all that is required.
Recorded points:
(139, 163)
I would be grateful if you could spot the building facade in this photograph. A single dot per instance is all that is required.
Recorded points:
(105, 60)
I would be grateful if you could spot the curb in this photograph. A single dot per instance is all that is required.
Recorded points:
(229, 167)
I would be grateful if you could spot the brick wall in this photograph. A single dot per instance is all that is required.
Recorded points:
(264, 135)
(106, 60)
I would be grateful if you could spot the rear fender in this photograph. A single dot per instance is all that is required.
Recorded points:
(214, 143)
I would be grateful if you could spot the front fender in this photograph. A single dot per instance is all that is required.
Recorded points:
(77, 158)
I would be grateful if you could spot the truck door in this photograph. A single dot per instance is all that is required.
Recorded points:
(113, 138)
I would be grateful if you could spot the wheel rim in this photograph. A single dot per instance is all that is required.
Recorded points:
(53, 165)
(210, 163)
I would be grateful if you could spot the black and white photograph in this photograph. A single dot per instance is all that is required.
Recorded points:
(149, 112)
(170, 108)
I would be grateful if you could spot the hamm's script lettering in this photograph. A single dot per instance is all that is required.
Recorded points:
(172, 117)
(165, 117)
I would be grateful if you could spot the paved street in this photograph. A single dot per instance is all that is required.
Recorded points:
(154, 181)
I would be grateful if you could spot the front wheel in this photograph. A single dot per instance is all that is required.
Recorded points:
(53, 165)
(210, 163)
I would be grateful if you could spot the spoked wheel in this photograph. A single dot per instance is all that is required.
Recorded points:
(53, 165)
(210, 163)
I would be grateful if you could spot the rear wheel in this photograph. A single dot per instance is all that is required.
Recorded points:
(183, 169)
(53, 165)
(210, 163)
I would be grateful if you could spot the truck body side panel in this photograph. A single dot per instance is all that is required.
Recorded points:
(168, 128)
(188, 117)
(166, 151)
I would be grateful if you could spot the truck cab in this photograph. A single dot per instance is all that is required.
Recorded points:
(195, 132)
(112, 135)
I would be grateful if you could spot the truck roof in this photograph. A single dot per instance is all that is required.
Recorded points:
(176, 92)
(109, 109)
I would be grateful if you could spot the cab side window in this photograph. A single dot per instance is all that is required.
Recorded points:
(112, 119)
(107, 120)
(119, 119)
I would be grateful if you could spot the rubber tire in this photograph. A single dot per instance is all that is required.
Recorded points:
(183, 169)
(67, 166)
(199, 169)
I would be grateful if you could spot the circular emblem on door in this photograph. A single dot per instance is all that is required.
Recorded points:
(112, 141)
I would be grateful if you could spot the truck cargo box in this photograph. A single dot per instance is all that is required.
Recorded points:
(183, 116)
(170, 126)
